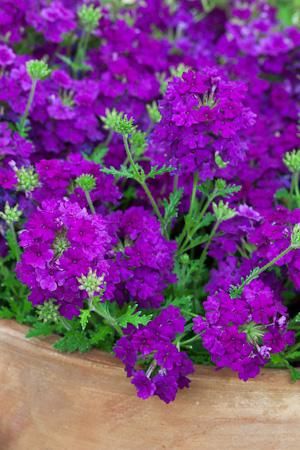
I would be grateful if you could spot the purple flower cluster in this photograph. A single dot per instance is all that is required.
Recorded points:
(142, 258)
(203, 114)
(61, 242)
(242, 333)
(152, 345)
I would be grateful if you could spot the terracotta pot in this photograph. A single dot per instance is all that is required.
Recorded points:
(53, 401)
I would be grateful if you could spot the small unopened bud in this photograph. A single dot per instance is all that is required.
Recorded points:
(292, 161)
(48, 312)
(89, 17)
(220, 162)
(86, 182)
(222, 211)
(91, 283)
(295, 238)
(11, 214)
(27, 179)
(153, 112)
(37, 69)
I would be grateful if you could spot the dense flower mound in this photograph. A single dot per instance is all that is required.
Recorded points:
(167, 367)
(62, 242)
(150, 182)
(203, 116)
(242, 333)
(142, 259)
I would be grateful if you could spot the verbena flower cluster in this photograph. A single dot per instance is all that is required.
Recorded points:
(149, 182)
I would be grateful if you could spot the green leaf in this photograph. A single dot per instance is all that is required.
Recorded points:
(134, 317)
(102, 334)
(98, 154)
(295, 373)
(155, 171)
(171, 207)
(76, 67)
(184, 303)
(73, 341)
(40, 329)
(85, 315)
(13, 247)
(122, 172)
(6, 313)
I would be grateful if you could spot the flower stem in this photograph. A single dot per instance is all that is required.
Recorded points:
(206, 247)
(108, 318)
(295, 187)
(269, 264)
(141, 182)
(14, 235)
(65, 323)
(90, 203)
(29, 104)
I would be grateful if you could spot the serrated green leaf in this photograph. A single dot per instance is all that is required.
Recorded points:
(155, 171)
(101, 334)
(6, 313)
(98, 154)
(40, 329)
(171, 207)
(122, 172)
(73, 341)
(14, 250)
(84, 317)
(134, 317)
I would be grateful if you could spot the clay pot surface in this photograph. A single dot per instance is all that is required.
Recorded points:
(53, 401)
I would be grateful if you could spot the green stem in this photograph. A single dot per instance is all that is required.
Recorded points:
(184, 234)
(65, 323)
(152, 201)
(90, 203)
(14, 235)
(295, 187)
(189, 341)
(138, 179)
(206, 247)
(269, 264)
(29, 103)
(109, 319)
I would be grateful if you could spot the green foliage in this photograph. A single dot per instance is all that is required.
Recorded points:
(40, 329)
(85, 315)
(288, 11)
(138, 143)
(171, 208)
(73, 341)
(122, 172)
(218, 188)
(134, 317)
(77, 65)
(98, 154)
(237, 290)
(136, 173)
